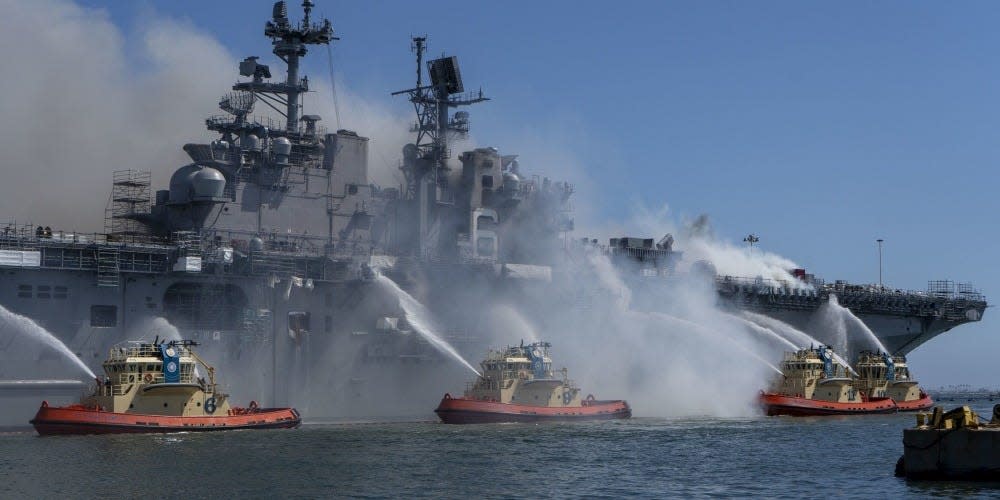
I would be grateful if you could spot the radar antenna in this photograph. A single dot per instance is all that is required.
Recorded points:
(238, 104)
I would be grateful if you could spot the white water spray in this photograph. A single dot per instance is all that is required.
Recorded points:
(512, 322)
(765, 331)
(842, 321)
(13, 321)
(162, 328)
(707, 332)
(798, 337)
(420, 319)
(851, 319)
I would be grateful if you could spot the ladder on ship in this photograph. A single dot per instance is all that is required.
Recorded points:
(108, 273)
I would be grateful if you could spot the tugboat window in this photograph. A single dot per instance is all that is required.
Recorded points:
(103, 316)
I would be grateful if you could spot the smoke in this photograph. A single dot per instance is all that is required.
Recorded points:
(385, 123)
(86, 97)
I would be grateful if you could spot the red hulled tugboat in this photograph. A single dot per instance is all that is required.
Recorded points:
(518, 385)
(881, 374)
(153, 387)
(814, 383)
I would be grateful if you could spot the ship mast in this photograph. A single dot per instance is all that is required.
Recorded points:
(290, 43)
(426, 172)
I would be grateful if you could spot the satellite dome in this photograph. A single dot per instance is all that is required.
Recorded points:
(251, 142)
(282, 148)
(180, 184)
(511, 183)
(208, 183)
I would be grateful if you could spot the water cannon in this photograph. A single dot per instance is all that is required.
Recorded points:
(824, 353)
(890, 365)
(536, 353)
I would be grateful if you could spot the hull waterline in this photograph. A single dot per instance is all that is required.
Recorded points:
(468, 411)
(81, 420)
(777, 404)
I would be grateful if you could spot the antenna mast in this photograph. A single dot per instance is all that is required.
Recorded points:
(435, 126)
(425, 161)
(290, 43)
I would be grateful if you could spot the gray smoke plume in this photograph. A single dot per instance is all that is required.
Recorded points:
(87, 100)
(84, 97)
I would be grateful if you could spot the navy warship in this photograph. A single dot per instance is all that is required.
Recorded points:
(272, 246)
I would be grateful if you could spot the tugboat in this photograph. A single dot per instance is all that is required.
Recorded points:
(518, 385)
(155, 388)
(813, 383)
(881, 374)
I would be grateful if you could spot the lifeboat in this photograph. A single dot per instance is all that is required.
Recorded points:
(814, 383)
(155, 388)
(518, 385)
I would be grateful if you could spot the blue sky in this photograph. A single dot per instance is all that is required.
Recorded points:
(818, 127)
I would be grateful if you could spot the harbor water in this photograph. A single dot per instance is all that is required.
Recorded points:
(843, 457)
